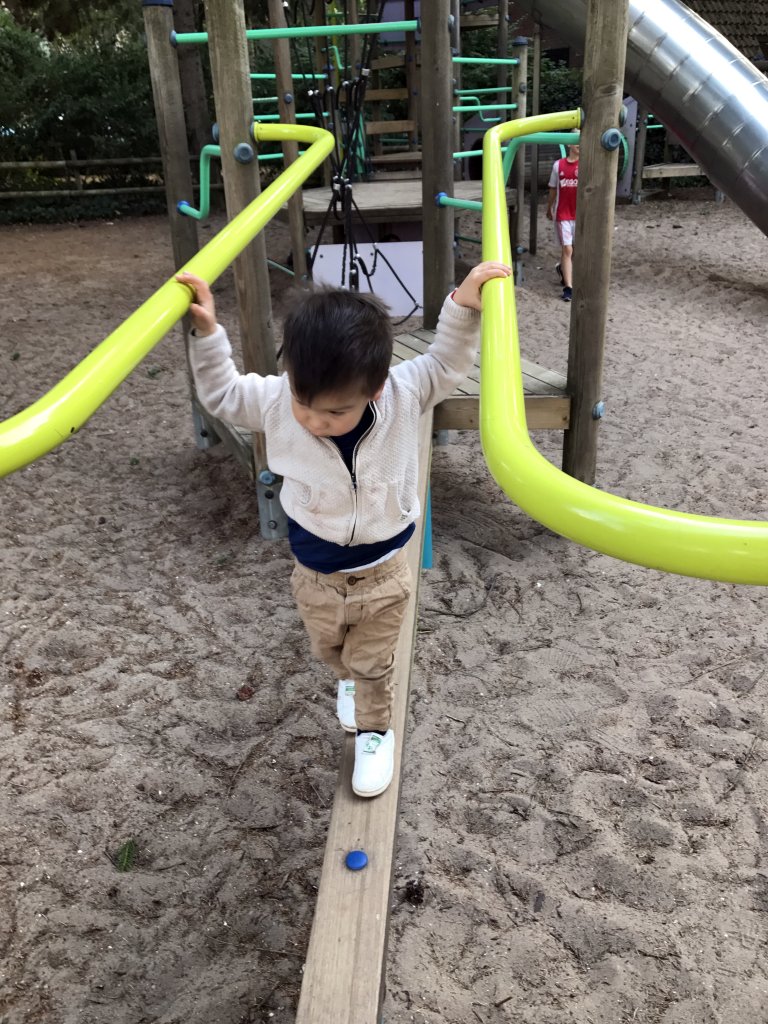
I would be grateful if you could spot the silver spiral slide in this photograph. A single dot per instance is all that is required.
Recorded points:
(697, 83)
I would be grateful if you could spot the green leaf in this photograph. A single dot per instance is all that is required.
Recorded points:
(125, 858)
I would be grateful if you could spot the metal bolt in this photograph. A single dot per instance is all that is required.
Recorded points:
(243, 153)
(611, 139)
(272, 524)
(266, 476)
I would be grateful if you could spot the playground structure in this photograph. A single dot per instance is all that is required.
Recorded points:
(344, 969)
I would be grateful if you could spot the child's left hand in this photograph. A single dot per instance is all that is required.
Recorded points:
(468, 292)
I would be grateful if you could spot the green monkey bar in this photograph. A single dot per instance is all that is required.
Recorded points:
(307, 31)
(730, 550)
(55, 417)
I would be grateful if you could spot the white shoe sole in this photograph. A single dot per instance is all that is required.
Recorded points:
(376, 792)
(347, 726)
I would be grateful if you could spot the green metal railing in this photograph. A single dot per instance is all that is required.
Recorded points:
(734, 551)
(510, 61)
(59, 414)
(305, 32)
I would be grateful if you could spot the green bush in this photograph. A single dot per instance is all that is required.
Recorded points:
(89, 95)
(92, 97)
(560, 86)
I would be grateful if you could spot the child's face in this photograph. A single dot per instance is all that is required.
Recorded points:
(332, 413)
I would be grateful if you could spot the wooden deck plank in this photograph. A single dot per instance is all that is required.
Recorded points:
(672, 171)
(531, 371)
(542, 412)
(547, 406)
(376, 95)
(389, 127)
(344, 969)
(537, 380)
(410, 156)
(385, 201)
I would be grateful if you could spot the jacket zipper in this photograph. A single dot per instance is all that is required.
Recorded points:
(353, 473)
(372, 407)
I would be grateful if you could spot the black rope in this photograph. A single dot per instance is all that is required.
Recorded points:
(345, 121)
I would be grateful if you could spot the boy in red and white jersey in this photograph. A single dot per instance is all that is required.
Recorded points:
(561, 208)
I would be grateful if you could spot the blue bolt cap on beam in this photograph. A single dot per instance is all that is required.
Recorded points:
(356, 860)
(243, 153)
(611, 139)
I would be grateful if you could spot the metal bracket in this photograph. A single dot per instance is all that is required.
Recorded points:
(274, 522)
(205, 436)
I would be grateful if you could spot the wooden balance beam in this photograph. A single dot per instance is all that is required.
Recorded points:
(346, 959)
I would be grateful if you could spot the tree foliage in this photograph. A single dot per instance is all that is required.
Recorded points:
(57, 19)
(87, 94)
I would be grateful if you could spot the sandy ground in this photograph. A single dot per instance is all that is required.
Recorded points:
(586, 788)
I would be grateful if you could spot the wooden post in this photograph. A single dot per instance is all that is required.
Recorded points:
(641, 140)
(286, 106)
(502, 52)
(458, 134)
(198, 117)
(171, 126)
(230, 72)
(533, 227)
(437, 156)
(324, 65)
(77, 177)
(354, 44)
(177, 177)
(605, 56)
(519, 96)
(412, 76)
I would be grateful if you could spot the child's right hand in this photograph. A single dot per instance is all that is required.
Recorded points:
(202, 309)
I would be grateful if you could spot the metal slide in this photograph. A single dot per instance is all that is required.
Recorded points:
(697, 83)
(54, 417)
(730, 550)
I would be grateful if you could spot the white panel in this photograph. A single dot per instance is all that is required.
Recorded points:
(406, 260)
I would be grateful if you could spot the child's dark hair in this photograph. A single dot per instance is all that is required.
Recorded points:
(335, 339)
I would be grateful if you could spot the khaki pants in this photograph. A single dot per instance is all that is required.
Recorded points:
(353, 621)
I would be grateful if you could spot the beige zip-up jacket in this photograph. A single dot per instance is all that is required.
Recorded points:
(318, 491)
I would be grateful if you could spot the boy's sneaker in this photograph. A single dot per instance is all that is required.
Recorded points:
(374, 763)
(559, 272)
(567, 293)
(345, 704)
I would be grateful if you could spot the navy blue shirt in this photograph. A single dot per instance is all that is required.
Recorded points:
(325, 556)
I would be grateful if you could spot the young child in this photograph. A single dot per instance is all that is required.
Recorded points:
(341, 430)
(561, 207)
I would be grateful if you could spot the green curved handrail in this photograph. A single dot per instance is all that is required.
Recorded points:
(52, 419)
(733, 551)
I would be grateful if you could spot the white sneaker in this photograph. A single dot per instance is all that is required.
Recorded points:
(345, 704)
(374, 763)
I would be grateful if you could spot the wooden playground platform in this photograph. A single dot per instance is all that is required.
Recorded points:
(547, 404)
(398, 199)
